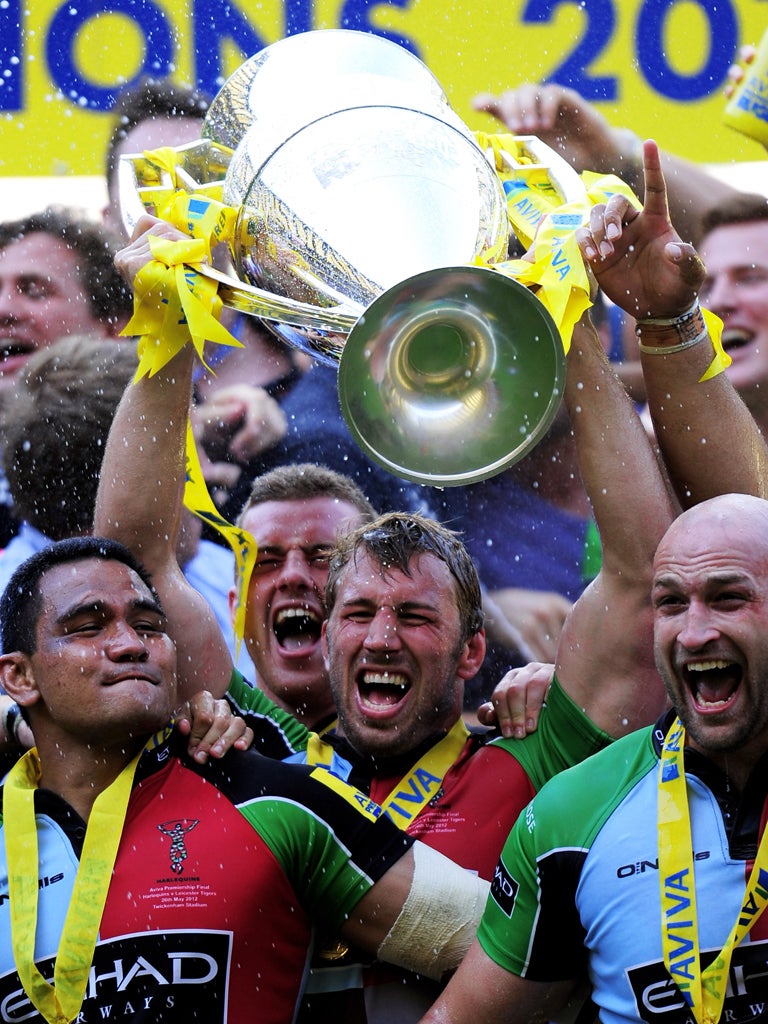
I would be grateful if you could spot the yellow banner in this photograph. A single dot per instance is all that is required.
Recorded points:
(657, 66)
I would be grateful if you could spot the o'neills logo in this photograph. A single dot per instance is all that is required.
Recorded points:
(176, 830)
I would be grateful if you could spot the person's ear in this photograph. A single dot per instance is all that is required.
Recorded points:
(18, 679)
(472, 656)
(324, 643)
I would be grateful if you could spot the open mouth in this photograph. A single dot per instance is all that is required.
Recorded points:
(297, 629)
(736, 338)
(11, 348)
(382, 689)
(713, 683)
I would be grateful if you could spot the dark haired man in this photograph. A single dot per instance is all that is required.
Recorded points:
(57, 278)
(734, 248)
(148, 115)
(53, 432)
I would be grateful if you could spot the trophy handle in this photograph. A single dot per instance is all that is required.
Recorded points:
(143, 182)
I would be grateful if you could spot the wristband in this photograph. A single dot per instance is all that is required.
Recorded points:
(671, 321)
(689, 327)
(11, 719)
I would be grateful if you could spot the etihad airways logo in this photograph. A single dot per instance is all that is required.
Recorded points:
(660, 1001)
(504, 889)
(148, 977)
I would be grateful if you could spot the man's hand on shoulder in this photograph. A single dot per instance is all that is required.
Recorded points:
(212, 728)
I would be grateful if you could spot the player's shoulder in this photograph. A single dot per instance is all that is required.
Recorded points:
(595, 788)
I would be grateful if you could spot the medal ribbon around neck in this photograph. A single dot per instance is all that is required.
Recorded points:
(60, 1003)
(436, 761)
(703, 991)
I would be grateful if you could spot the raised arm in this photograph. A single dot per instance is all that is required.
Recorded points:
(710, 442)
(605, 655)
(141, 494)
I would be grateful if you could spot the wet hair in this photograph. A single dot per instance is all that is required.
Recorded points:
(93, 247)
(303, 481)
(145, 101)
(21, 601)
(741, 208)
(394, 540)
(54, 430)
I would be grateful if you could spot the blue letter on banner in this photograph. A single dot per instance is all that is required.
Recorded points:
(70, 18)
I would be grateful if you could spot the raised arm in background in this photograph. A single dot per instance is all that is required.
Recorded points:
(578, 131)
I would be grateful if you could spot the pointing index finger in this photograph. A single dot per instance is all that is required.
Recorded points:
(655, 201)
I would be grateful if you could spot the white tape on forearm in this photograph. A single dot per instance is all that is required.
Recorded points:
(439, 918)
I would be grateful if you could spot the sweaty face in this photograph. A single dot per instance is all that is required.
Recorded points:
(42, 299)
(710, 600)
(395, 655)
(104, 665)
(736, 288)
(286, 598)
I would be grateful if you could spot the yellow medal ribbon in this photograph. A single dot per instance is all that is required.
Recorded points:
(198, 500)
(703, 991)
(419, 786)
(60, 1003)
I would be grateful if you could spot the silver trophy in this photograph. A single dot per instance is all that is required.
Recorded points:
(365, 206)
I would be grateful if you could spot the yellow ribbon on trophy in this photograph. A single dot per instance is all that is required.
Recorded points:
(173, 303)
(546, 225)
(172, 300)
(169, 160)
(244, 547)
